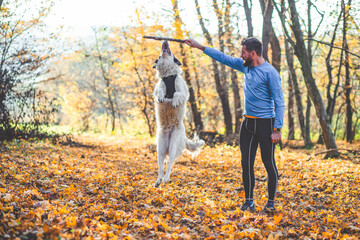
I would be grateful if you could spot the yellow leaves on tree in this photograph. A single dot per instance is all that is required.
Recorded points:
(76, 110)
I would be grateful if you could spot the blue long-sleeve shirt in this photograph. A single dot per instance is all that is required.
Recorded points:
(262, 88)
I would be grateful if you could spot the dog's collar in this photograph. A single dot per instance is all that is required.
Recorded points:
(170, 85)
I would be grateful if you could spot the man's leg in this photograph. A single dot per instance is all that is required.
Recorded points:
(267, 155)
(248, 147)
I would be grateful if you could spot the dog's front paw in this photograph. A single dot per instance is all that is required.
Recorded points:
(160, 100)
(176, 102)
(175, 105)
(160, 97)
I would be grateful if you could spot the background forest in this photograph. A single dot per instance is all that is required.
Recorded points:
(104, 82)
(77, 122)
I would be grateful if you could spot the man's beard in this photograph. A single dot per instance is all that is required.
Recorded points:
(247, 62)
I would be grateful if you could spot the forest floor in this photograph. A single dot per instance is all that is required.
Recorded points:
(104, 188)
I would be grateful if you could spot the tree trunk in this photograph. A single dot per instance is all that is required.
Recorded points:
(355, 126)
(222, 92)
(199, 126)
(300, 109)
(107, 84)
(301, 53)
(193, 64)
(291, 133)
(276, 51)
(223, 82)
(347, 90)
(267, 10)
(268, 35)
(308, 143)
(234, 77)
(339, 116)
(146, 107)
(5, 87)
(248, 15)
(331, 98)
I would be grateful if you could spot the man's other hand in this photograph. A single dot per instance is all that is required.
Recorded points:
(275, 137)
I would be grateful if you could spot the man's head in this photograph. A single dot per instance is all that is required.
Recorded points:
(252, 48)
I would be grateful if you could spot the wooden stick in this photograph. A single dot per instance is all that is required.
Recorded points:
(163, 38)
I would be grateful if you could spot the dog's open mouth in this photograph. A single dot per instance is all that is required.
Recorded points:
(165, 48)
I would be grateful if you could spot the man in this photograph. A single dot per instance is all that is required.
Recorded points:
(263, 117)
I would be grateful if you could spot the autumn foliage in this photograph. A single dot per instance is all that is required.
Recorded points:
(103, 188)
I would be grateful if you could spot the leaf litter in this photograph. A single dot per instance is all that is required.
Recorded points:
(106, 191)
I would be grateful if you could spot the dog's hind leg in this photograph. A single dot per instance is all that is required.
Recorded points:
(172, 157)
(161, 154)
(177, 145)
(160, 158)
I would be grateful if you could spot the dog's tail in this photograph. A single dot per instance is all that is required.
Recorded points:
(194, 145)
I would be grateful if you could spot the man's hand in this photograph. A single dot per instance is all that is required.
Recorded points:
(275, 137)
(195, 44)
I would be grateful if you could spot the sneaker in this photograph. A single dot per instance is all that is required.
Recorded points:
(248, 206)
(268, 208)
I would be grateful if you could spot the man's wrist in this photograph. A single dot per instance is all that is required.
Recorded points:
(277, 130)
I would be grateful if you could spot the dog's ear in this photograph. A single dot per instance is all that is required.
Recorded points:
(155, 63)
(177, 61)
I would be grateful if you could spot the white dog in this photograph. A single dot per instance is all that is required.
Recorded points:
(171, 95)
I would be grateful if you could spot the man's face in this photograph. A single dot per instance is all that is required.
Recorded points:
(246, 56)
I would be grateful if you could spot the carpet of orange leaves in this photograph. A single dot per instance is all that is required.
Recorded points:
(106, 191)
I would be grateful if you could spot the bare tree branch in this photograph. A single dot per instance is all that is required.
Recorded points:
(50, 79)
(331, 45)
(283, 23)
(334, 150)
(354, 23)
(322, 19)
